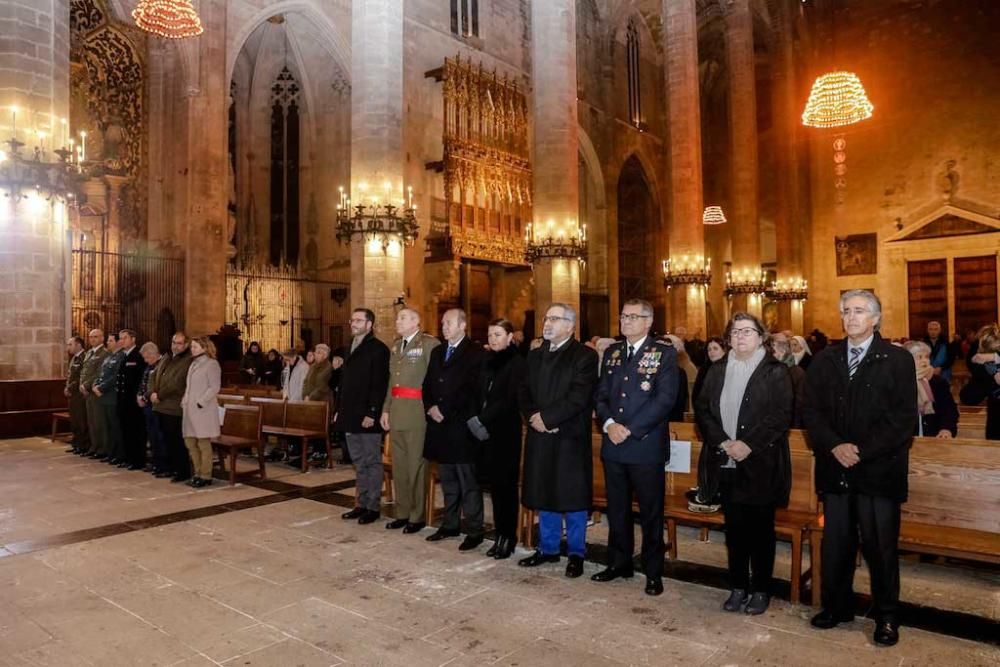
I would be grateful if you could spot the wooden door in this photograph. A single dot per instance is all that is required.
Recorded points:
(928, 292)
(975, 292)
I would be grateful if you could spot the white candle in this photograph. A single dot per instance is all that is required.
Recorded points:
(13, 121)
(83, 145)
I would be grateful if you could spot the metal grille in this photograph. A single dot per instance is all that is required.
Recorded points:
(114, 291)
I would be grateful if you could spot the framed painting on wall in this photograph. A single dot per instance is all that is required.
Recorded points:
(857, 254)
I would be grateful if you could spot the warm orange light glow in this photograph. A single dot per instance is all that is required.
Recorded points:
(713, 215)
(837, 99)
(173, 19)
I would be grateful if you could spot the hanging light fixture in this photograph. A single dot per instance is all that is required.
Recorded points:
(837, 99)
(713, 215)
(173, 19)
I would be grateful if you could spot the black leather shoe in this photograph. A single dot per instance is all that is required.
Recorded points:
(163, 473)
(654, 586)
(369, 516)
(506, 550)
(826, 619)
(737, 598)
(612, 573)
(414, 527)
(353, 514)
(441, 534)
(574, 568)
(396, 524)
(470, 542)
(177, 479)
(538, 558)
(135, 466)
(492, 551)
(758, 604)
(886, 633)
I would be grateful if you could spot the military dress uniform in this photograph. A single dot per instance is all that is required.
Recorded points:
(112, 441)
(404, 403)
(89, 373)
(77, 404)
(636, 390)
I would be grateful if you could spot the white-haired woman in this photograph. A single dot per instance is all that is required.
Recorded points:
(801, 352)
(937, 409)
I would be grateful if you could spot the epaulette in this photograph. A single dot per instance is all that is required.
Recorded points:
(666, 342)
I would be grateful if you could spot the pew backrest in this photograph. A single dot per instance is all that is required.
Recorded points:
(954, 483)
(242, 421)
(272, 410)
(307, 415)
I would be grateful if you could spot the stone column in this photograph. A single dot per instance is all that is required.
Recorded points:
(555, 165)
(377, 276)
(687, 235)
(742, 214)
(206, 233)
(34, 286)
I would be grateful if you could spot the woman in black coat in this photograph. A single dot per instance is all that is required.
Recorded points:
(715, 349)
(744, 412)
(500, 422)
(938, 414)
(272, 369)
(252, 365)
(985, 381)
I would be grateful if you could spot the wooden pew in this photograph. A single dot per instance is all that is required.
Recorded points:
(305, 421)
(58, 418)
(241, 429)
(790, 523)
(272, 411)
(953, 508)
(231, 399)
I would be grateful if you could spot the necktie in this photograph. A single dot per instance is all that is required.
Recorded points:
(404, 344)
(852, 366)
(628, 354)
(447, 355)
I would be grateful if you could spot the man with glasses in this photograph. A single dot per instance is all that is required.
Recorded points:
(166, 391)
(861, 414)
(635, 395)
(557, 399)
(363, 380)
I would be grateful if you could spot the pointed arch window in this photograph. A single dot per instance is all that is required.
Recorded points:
(285, 170)
(632, 68)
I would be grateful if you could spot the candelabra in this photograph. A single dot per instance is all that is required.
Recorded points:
(796, 289)
(377, 220)
(745, 283)
(36, 173)
(687, 270)
(555, 244)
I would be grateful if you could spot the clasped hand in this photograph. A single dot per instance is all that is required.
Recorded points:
(737, 450)
(847, 454)
(618, 433)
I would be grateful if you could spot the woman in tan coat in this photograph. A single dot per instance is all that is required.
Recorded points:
(201, 409)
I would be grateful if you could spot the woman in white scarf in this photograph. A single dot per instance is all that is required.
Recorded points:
(937, 409)
(801, 352)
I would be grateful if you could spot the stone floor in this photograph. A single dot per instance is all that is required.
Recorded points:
(272, 576)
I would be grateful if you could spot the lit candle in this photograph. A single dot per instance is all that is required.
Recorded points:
(584, 232)
(409, 193)
(13, 121)
(62, 138)
(83, 145)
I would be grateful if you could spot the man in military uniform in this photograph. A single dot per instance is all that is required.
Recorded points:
(403, 416)
(133, 423)
(635, 395)
(106, 389)
(92, 361)
(77, 402)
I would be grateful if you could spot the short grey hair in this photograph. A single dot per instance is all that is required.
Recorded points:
(915, 347)
(324, 347)
(647, 307)
(874, 305)
(149, 347)
(568, 311)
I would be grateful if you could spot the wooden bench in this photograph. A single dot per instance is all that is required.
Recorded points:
(790, 523)
(304, 421)
(58, 418)
(234, 399)
(241, 429)
(953, 508)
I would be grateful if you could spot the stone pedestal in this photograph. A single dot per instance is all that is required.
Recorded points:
(555, 164)
(34, 262)
(377, 274)
(687, 237)
(742, 213)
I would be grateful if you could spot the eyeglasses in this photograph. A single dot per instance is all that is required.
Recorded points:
(356, 319)
(631, 317)
(743, 333)
(554, 318)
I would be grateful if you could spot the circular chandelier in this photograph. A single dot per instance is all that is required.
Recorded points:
(713, 215)
(553, 241)
(378, 221)
(173, 19)
(687, 270)
(837, 99)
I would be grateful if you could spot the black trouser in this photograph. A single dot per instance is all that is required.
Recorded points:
(133, 430)
(877, 520)
(646, 481)
(173, 440)
(78, 421)
(750, 542)
(462, 497)
(502, 475)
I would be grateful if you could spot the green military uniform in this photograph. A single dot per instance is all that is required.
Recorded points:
(89, 373)
(77, 403)
(405, 405)
(112, 441)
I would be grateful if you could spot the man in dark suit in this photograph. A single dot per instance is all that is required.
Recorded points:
(450, 394)
(557, 400)
(861, 412)
(133, 423)
(364, 378)
(635, 395)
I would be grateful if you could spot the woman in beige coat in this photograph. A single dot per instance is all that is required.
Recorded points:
(201, 409)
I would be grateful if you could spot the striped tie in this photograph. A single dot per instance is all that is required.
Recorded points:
(852, 366)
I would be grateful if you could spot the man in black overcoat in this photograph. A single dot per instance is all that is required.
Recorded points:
(133, 423)
(861, 412)
(635, 396)
(450, 393)
(557, 401)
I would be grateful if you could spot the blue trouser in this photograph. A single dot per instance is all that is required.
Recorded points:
(156, 442)
(550, 530)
